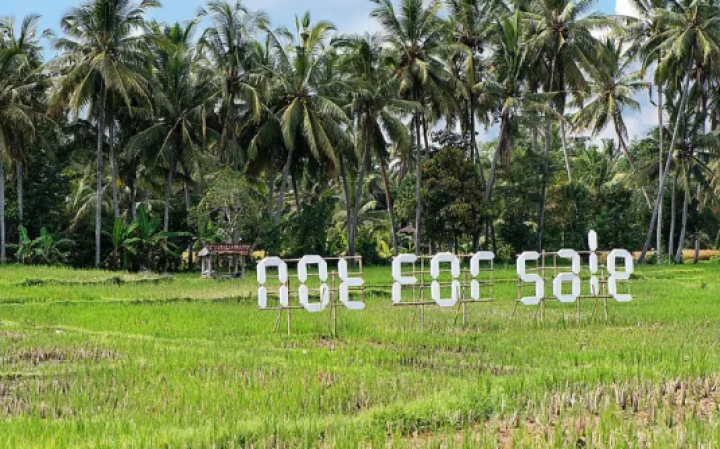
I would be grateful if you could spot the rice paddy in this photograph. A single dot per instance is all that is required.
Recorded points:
(93, 359)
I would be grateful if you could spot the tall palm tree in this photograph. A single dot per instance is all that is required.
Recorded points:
(562, 36)
(505, 91)
(101, 58)
(413, 32)
(611, 88)
(689, 35)
(21, 109)
(182, 91)
(693, 161)
(310, 122)
(229, 45)
(25, 51)
(639, 30)
(375, 108)
(471, 22)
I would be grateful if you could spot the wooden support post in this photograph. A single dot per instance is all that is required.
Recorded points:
(422, 294)
(289, 312)
(333, 299)
(463, 297)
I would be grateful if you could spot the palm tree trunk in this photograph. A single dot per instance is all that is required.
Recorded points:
(661, 192)
(566, 153)
(473, 139)
(544, 182)
(271, 188)
(168, 193)
(425, 137)
(496, 158)
(346, 190)
(683, 228)
(113, 169)
(546, 165)
(99, 173)
(697, 230)
(668, 162)
(388, 200)
(358, 193)
(20, 193)
(133, 197)
(418, 185)
(673, 215)
(188, 204)
(3, 255)
(624, 147)
(563, 140)
(283, 188)
(298, 206)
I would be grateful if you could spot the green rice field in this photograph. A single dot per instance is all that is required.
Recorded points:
(101, 360)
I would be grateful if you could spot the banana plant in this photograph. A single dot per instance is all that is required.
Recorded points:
(149, 237)
(124, 242)
(45, 249)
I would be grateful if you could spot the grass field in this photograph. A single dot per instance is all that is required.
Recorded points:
(93, 359)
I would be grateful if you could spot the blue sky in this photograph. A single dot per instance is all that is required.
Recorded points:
(350, 16)
(347, 15)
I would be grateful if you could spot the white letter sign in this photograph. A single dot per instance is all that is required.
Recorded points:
(282, 277)
(621, 276)
(435, 273)
(573, 277)
(305, 292)
(483, 256)
(401, 280)
(346, 283)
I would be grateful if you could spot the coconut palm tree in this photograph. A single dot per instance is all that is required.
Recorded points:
(310, 122)
(101, 57)
(612, 87)
(639, 30)
(230, 47)
(375, 108)
(505, 93)
(21, 108)
(24, 62)
(413, 32)
(182, 92)
(471, 22)
(562, 37)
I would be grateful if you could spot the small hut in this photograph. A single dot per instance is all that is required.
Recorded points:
(237, 252)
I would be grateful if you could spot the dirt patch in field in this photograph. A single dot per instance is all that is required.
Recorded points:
(575, 416)
(7, 335)
(38, 356)
(17, 393)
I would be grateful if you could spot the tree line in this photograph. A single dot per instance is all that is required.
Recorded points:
(138, 138)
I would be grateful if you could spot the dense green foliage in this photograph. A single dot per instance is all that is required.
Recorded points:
(224, 128)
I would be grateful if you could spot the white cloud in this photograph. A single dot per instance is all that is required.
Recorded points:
(625, 8)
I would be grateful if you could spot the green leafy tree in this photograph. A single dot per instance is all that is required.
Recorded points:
(453, 198)
(151, 241)
(123, 241)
